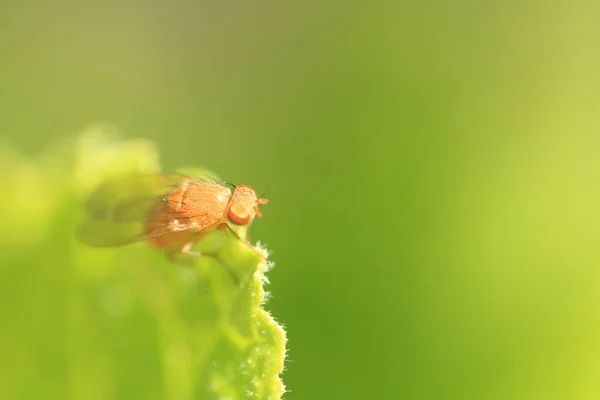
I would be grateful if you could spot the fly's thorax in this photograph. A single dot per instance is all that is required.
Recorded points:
(210, 198)
(196, 205)
(176, 198)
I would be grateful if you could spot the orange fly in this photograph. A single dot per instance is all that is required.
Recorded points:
(171, 211)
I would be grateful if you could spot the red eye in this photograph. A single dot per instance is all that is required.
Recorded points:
(238, 214)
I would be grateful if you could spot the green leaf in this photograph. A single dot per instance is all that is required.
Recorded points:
(133, 325)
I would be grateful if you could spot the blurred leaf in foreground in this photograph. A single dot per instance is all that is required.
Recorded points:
(122, 322)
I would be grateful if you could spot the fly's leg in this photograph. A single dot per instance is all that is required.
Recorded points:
(187, 249)
(226, 227)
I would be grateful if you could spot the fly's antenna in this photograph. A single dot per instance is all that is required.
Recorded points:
(264, 194)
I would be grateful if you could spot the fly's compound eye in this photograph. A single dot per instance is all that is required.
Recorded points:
(239, 215)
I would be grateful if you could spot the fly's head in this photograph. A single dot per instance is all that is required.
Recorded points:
(244, 205)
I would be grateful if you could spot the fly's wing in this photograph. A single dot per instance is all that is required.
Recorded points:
(101, 233)
(117, 211)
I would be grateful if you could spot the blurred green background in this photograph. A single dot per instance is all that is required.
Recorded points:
(432, 170)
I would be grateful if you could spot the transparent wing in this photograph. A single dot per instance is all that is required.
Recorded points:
(100, 233)
(117, 212)
(131, 198)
